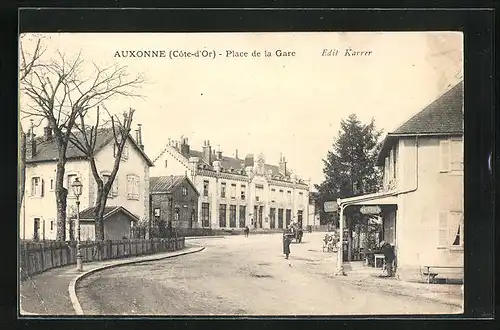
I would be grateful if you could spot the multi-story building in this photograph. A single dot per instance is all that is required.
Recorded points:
(421, 202)
(128, 200)
(174, 199)
(235, 192)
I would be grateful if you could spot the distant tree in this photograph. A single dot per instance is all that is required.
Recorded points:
(61, 90)
(28, 61)
(350, 167)
(84, 138)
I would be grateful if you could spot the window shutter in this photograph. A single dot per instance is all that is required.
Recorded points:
(42, 181)
(445, 155)
(129, 187)
(115, 187)
(456, 155)
(443, 233)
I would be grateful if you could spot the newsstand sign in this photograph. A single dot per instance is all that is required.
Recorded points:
(370, 209)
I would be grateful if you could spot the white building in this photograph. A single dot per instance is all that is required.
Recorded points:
(421, 200)
(235, 192)
(130, 189)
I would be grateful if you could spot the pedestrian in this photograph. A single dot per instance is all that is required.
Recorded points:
(286, 245)
(389, 256)
(247, 230)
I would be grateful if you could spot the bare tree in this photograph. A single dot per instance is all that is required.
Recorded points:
(28, 62)
(59, 92)
(85, 140)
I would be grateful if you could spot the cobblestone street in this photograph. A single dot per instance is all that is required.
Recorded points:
(242, 276)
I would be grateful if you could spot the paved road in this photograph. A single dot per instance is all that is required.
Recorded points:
(240, 276)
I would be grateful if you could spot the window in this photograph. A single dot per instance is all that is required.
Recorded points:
(289, 196)
(272, 217)
(232, 216)
(273, 197)
(36, 229)
(69, 182)
(176, 215)
(233, 192)
(301, 197)
(223, 190)
(124, 152)
(451, 151)
(288, 215)
(394, 162)
(299, 218)
(242, 215)
(166, 163)
(184, 191)
(157, 212)
(259, 189)
(205, 215)
(52, 184)
(37, 186)
(280, 218)
(205, 188)
(222, 215)
(51, 225)
(450, 231)
(113, 192)
(132, 187)
(243, 189)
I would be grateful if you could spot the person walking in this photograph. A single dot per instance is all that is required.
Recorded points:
(286, 245)
(247, 230)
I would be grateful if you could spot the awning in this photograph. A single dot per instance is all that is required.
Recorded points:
(382, 198)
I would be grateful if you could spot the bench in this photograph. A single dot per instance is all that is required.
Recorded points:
(431, 272)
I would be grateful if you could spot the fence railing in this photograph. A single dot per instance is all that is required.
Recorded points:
(37, 257)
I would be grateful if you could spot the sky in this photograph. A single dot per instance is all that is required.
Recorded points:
(271, 105)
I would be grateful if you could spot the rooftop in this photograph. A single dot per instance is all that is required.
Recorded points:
(443, 116)
(47, 149)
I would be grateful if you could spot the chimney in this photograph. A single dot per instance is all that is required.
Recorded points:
(30, 143)
(207, 152)
(185, 147)
(47, 133)
(236, 155)
(219, 153)
(249, 161)
(282, 165)
(139, 136)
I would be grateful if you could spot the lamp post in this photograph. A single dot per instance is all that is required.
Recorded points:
(77, 190)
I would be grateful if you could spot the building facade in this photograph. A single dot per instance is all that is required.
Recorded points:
(421, 200)
(174, 200)
(130, 189)
(235, 192)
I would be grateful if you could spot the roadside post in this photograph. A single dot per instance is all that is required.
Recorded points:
(331, 207)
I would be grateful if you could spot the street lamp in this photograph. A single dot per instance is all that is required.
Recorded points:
(77, 190)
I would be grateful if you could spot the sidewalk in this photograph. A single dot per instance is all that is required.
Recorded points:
(368, 278)
(48, 292)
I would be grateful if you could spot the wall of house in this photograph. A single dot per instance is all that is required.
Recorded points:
(185, 204)
(422, 239)
(169, 163)
(133, 165)
(44, 206)
(116, 227)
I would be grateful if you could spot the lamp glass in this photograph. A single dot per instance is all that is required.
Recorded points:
(77, 187)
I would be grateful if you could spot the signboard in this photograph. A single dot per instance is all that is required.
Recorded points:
(370, 209)
(331, 206)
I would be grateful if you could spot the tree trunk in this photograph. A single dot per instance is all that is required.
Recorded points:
(98, 216)
(22, 166)
(61, 199)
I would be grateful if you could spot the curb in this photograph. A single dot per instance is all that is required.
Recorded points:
(72, 285)
(441, 301)
(203, 237)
